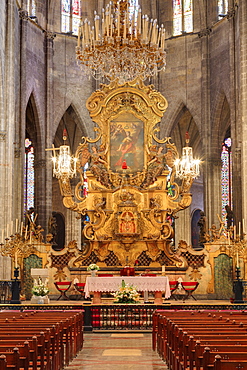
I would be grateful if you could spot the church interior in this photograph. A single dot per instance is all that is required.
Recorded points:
(123, 150)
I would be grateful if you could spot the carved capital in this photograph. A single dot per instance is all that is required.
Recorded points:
(232, 12)
(23, 14)
(205, 32)
(2, 135)
(50, 35)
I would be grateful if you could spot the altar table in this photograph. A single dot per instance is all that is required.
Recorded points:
(156, 284)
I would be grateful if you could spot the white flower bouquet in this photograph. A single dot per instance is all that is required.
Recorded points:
(40, 290)
(126, 294)
(93, 267)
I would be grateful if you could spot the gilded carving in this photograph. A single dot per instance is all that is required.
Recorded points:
(132, 195)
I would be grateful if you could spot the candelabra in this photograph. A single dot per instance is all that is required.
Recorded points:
(123, 44)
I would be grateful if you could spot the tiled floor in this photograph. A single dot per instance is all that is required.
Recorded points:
(119, 351)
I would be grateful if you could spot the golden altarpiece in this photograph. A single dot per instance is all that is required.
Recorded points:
(132, 197)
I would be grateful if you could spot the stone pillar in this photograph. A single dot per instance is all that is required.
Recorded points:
(242, 117)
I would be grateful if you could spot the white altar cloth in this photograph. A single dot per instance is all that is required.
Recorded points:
(141, 283)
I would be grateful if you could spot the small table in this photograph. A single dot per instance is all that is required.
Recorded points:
(156, 284)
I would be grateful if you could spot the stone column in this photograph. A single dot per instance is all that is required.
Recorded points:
(242, 109)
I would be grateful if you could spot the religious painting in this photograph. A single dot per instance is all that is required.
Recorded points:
(126, 144)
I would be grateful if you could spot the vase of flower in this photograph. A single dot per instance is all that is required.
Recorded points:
(93, 268)
(126, 294)
(40, 291)
(41, 299)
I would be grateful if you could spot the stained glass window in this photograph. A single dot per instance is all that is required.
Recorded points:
(29, 176)
(222, 7)
(31, 8)
(226, 175)
(70, 16)
(182, 16)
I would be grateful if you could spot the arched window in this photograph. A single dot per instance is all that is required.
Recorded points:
(29, 176)
(222, 8)
(70, 16)
(182, 16)
(226, 175)
(31, 8)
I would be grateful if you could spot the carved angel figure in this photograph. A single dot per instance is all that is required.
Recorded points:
(98, 166)
(156, 165)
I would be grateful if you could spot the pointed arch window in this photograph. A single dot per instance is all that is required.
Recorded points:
(70, 16)
(222, 8)
(182, 17)
(226, 175)
(29, 176)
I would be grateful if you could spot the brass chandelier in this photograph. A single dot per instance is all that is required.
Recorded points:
(122, 44)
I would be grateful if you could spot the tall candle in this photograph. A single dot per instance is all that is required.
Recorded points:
(7, 230)
(21, 229)
(234, 232)
(228, 237)
(237, 263)
(239, 228)
(243, 228)
(2, 235)
(163, 269)
(16, 265)
(11, 227)
(16, 225)
(26, 233)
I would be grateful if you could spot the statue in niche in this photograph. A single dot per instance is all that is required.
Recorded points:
(203, 230)
(52, 228)
(229, 216)
(127, 223)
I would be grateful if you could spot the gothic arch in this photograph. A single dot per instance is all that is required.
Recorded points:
(220, 121)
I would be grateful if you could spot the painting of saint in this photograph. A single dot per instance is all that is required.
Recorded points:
(126, 144)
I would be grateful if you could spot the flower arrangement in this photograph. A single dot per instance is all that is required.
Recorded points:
(40, 289)
(126, 294)
(93, 267)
